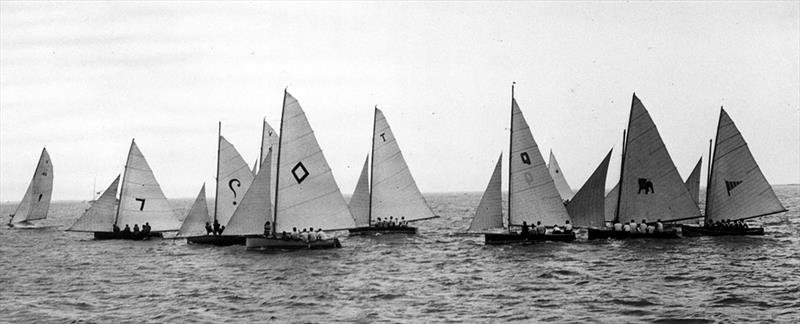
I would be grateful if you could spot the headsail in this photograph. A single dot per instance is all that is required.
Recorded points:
(693, 182)
(394, 191)
(611, 203)
(307, 194)
(233, 178)
(269, 141)
(100, 215)
(737, 188)
(36, 202)
(195, 222)
(651, 187)
(255, 209)
(359, 202)
(141, 199)
(587, 208)
(533, 195)
(558, 178)
(489, 214)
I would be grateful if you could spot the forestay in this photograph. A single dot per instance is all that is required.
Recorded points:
(100, 215)
(558, 178)
(195, 222)
(233, 178)
(359, 202)
(587, 207)
(255, 209)
(307, 192)
(693, 182)
(36, 202)
(533, 195)
(489, 214)
(737, 189)
(651, 187)
(142, 200)
(269, 141)
(394, 191)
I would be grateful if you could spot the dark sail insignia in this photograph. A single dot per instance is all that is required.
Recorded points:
(729, 185)
(141, 200)
(646, 185)
(525, 158)
(299, 176)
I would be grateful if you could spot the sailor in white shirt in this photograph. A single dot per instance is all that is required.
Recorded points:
(626, 227)
(618, 226)
(659, 226)
(632, 226)
(568, 227)
(311, 235)
(321, 235)
(295, 234)
(304, 235)
(643, 227)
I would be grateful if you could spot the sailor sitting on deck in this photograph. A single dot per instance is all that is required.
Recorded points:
(284, 235)
(643, 227)
(304, 235)
(321, 235)
(540, 229)
(392, 221)
(617, 227)
(568, 227)
(659, 226)
(557, 230)
(116, 228)
(403, 221)
(295, 235)
(136, 229)
(524, 230)
(626, 228)
(311, 235)
(267, 229)
(208, 228)
(216, 227)
(127, 229)
(651, 229)
(146, 229)
(379, 223)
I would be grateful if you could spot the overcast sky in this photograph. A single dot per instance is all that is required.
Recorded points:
(83, 79)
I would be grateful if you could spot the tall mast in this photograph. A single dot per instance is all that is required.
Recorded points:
(122, 187)
(261, 149)
(278, 167)
(371, 161)
(216, 193)
(708, 177)
(510, 154)
(621, 170)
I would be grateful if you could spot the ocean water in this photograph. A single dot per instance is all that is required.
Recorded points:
(48, 275)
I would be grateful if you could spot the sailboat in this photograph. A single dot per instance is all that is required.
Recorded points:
(489, 214)
(533, 197)
(737, 189)
(587, 207)
(306, 194)
(558, 178)
(650, 188)
(233, 179)
(141, 202)
(36, 201)
(693, 182)
(392, 195)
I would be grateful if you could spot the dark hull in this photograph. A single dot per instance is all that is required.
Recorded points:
(262, 243)
(702, 231)
(599, 234)
(382, 230)
(513, 238)
(125, 236)
(217, 240)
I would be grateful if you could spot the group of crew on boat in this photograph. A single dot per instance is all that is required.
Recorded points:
(306, 235)
(727, 225)
(391, 222)
(144, 231)
(216, 229)
(540, 229)
(642, 227)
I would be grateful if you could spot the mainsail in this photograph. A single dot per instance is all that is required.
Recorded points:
(36, 202)
(587, 207)
(141, 198)
(737, 189)
(195, 222)
(558, 178)
(100, 215)
(269, 141)
(307, 194)
(611, 203)
(359, 202)
(651, 187)
(693, 182)
(489, 214)
(532, 194)
(394, 191)
(255, 209)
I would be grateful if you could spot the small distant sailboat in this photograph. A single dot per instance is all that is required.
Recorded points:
(36, 201)
(558, 178)
(306, 194)
(533, 196)
(489, 215)
(392, 193)
(693, 182)
(737, 189)
(587, 207)
(141, 202)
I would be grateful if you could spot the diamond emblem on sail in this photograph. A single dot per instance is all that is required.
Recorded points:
(729, 185)
(303, 175)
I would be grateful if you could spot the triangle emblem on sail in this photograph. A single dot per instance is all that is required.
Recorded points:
(729, 185)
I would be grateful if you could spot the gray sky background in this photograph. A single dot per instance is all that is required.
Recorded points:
(84, 78)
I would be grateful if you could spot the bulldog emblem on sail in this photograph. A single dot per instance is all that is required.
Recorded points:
(646, 185)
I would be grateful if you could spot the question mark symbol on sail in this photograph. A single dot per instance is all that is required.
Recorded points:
(230, 185)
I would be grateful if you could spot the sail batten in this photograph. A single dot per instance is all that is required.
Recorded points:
(36, 201)
(587, 207)
(195, 222)
(359, 201)
(558, 178)
(100, 215)
(489, 214)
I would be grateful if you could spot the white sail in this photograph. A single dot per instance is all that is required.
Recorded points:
(233, 178)
(195, 222)
(533, 195)
(651, 187)
(611, 203)
(587, 207)
(737, 189)
(394, 191)
(558, 178)
(141, 199)
(489, 214)
(693, 182)
(36, 202)
(307, 192)
(100, 215)
(359, 202)
(255, 209)
(269, 141)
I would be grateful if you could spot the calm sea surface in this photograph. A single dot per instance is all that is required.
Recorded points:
(48, 275)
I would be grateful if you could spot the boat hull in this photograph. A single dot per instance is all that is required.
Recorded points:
(702, 231)
(27, 225)
(263, 243)
(382, 230)
(126, 236)
(217, 240)
(514, 238)
(606, 233)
